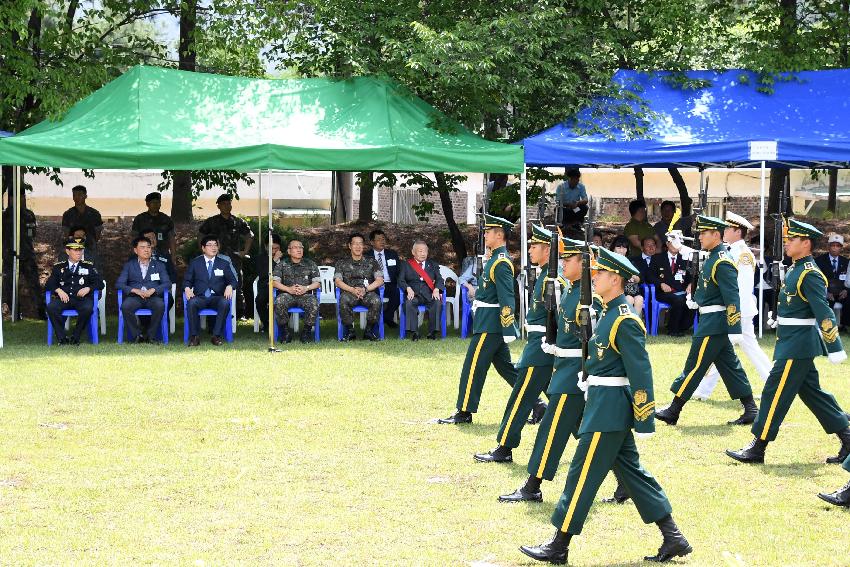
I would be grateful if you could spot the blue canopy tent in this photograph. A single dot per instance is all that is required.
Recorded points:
(714, 119)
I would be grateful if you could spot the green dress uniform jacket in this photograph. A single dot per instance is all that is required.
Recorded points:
(535, 319)
(565, 377)
(717, 285)
(494, 297)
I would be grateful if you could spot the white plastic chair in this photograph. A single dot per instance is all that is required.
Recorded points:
(256, 313)
(328, 289)
(448, 274)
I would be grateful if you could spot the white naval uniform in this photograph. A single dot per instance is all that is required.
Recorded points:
(746, 264)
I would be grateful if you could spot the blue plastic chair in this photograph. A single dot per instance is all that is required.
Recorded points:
(657, 306)
(465, 313)
(163, 325)
(318, 294)
(402, 317)
(228, 321)
(93, 336)
(360, 309)
(647, 303)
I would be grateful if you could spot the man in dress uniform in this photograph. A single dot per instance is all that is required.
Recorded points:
(358, 277)
(296, 278)
(619, 399)
(566, 400)
(719, 328)
(534, 369)
(806, 329)
(493, 324)
(160, 223)
(840, 497)
(71, 285)
(234, 237)
(735, 236)
(667, 272)
(420, 280)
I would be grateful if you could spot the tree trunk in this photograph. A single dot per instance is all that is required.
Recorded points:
(832, 201)
(638, 183)
(367, 184)
(342, 198)
(684, 198)
(181, 205)
(458, 242)
(777, 182)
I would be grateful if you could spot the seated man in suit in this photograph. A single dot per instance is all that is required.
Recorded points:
(71, 284)
(164, 257)
(143, 281)
(208, 284)
(388, 261)
(422, 283)
(834, 267)
(668, 273)
(641, 261)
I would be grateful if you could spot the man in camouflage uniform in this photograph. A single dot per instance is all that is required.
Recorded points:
(230, 232)
(358, 277)
(296, 279)
(83, 215)
(27, 266)
(806, 329)
(160, 223)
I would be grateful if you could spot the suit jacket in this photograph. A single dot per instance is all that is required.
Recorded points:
(824, 262)
(197, 279)
(131, 277)
(394, 266)
(642, 267)
(659, 272)
(409, 278)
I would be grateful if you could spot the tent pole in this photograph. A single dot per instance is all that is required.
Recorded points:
(761, 254)
(16, 240)
(1, 256)
(271, 321)
(523, 188)
(260, 211)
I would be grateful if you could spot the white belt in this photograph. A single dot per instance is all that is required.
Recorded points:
(535, 328)
(476, 304)
(607, 381)
(712, 309)
(567, 352)
(792, 321)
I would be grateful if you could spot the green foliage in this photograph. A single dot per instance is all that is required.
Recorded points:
(204, 180)
(424, 184)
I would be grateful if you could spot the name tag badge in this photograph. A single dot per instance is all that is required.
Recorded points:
(390, 262)
(218, 272)
(679, 276)
(154, 277)
(842, 277)
(83, 271)
(159, 236)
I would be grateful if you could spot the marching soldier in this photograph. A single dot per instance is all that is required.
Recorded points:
(235, 238)
(719, 328)
(493, 325)
(735, 236)
(296, 279)
(619, 400)
(534, 369)
(566, 400)
(71, 284)
(840, 497)
(806, 329)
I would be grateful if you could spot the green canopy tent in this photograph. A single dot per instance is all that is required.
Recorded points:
(157, 118)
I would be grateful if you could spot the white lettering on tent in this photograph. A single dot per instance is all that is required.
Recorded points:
(763, 151)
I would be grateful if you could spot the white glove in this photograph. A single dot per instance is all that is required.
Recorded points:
(474, 307)
(643, 435)
(508, 340)
(547, 348)
(837, 357)
(736, 339)
(691, 303)
(674, 237)
(582, 385)
(771, 322)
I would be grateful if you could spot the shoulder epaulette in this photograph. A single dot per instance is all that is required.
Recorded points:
(60, 263)
(721, 260)
(809, 267)
(90, 263)
(620, 318)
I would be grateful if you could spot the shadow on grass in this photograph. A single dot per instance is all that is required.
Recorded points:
(708, 430)
(793, 470)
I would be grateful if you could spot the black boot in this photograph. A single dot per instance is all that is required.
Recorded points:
(674, 544)
(285, 335)
(528, 492)
(670, 414)
(844, 437)
(619, 497)
(537, 412)
(752, 453)
(840, 497)
(457, 418)
(369, 335)
(751, 412)
(500, 454)
(306, 335)
(348, 334)
(554, 551)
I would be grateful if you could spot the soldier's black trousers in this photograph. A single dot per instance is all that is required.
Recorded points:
(83, 305)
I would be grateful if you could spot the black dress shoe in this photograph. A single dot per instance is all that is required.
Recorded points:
(674, 544)
(369, 335)
(840, 497)
(286, 337)
(554, 551)
(620, 496)
(74, 341)
(537, 412)
(348, 334)
(457, 418)
(63, 341)
(520, 495)
(500, 454)
(751, 412)
(432, 335)
(194, 340)
(670, 414)
(752, 453)
(413, 336)
(844, 451)
(306, 335)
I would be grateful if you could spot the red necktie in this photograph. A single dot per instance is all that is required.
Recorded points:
(673, 265)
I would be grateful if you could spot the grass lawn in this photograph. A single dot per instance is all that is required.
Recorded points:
(325, 454)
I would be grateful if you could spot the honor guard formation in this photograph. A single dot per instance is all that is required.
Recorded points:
(586, 351)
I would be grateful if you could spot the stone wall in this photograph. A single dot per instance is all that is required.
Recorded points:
(385, 206)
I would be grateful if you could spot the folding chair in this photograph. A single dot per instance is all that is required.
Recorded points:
(228, 323)
(297, 312)
(448, 274)
(363, 311)
(93, 335)
(465, 313)
(422, 309)
(163, 325)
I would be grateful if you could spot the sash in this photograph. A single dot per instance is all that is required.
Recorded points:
(422, 274)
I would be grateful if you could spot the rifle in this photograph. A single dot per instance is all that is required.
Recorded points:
(549, 298)
(695, 265)
(777, 272)
(586, 294)
(531, 271)
(479, 245)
